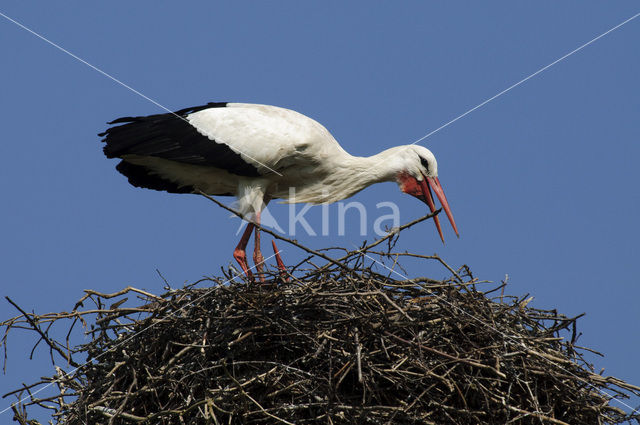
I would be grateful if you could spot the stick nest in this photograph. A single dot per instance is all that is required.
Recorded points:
(344, 343)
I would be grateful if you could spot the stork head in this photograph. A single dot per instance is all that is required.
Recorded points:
(419, 176)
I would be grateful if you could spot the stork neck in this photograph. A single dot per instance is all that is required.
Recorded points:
(350, 174)
(370, 169)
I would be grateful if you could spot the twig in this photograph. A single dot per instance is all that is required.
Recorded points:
(44, 337)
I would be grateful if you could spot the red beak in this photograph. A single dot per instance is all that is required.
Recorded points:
(427, 184)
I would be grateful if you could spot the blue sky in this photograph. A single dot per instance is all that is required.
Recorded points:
(542, 180)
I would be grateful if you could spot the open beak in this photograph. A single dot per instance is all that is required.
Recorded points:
(428, 183)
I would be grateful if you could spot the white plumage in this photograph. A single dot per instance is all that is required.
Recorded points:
(258, 153)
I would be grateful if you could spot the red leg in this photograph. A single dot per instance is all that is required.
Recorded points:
(283, 269)
(239, 253)
(258, 259)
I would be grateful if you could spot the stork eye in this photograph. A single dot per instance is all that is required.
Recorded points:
(424, 163)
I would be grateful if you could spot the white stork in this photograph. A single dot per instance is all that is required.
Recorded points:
(258, 153)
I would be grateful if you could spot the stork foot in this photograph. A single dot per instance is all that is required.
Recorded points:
(281, 267)
(241, 257)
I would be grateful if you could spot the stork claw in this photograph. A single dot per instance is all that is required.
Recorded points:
(281, 267)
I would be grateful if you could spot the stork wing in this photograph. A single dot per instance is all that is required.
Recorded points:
(268, 137)
(242, 139)
(170, 136)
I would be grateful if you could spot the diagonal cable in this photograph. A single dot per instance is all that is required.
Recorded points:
(544, 68)
(111, 77)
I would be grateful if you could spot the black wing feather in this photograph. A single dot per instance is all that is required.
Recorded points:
(139, 176)
(170, 136)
